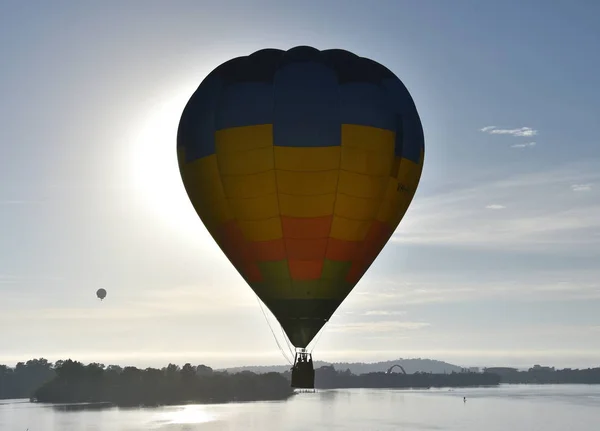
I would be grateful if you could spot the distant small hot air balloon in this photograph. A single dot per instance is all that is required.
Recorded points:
(101, 293)
(301, 164)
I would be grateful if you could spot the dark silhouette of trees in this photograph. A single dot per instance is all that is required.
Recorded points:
(22, 380)
(548, 375)
(131, 386)
(72, 381)
(328, 377)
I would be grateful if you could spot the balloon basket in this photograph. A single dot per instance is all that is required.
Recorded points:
(303, 372)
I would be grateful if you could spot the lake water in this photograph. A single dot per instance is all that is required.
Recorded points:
(508, 407)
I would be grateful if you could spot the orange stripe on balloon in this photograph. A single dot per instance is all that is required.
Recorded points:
(357, 270)
(264, 251)
(245, 254)
(305, 249)
(304, 228)
(377, 236)
(305, 269)
(252, 273)
(233, 243)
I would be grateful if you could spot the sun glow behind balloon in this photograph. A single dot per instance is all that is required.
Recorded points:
(154, 169)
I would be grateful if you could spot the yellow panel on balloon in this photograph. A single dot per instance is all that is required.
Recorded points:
(307, 183)
(249, 186)
(417, 178)
(393, 202)
(307, 158)
(202, 176)
(401, 212)
(306, 206)
(412, 183)
(245, 150)
(203, 185)
(259, 208)
(361, 185)
(246, 162)
(216, 214)
(368, 138)
(356, 208)
(367, 150)
(400, 193)
(241, 139)
(392, 190)
(367, 162)
(409, 173)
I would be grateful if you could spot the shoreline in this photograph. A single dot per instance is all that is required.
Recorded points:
(91, 405)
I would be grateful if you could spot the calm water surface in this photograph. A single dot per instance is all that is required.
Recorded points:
(513, 408)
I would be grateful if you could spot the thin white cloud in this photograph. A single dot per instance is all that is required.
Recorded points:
(524, 145)
(544, 213)
(581, 187)
(377, 327)
(390, 294)
(495, 207)
(519, 132)
(384, 313)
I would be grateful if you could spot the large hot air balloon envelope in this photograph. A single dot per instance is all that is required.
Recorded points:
(101, 293)
(301, 164)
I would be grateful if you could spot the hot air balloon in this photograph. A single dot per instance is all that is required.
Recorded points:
(101, 293)
(301, 164)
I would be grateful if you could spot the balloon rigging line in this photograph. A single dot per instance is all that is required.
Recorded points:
(287, 341)
(273, 332)
(318, 337)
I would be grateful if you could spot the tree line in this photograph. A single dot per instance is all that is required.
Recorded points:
(548, 375)
(72, 381)
(23, 379)
(328, 377)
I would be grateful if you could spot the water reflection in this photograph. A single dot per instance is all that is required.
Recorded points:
(518, 408)
(192, 414)
(79, 407)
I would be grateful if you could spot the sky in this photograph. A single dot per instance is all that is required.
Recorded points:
(495, 262)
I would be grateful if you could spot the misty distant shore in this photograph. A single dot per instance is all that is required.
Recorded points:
(73, 382)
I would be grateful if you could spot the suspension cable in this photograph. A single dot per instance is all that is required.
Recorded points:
(318, 337)
(272, 332)
(287, 342)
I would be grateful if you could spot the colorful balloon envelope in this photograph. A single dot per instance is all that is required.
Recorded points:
(301, 164)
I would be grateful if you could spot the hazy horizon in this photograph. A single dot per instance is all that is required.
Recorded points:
(164, 360)
(495, 262)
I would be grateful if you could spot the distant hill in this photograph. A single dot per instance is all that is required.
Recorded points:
(410, 366)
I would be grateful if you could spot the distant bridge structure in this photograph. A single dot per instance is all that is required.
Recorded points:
(389, 371)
